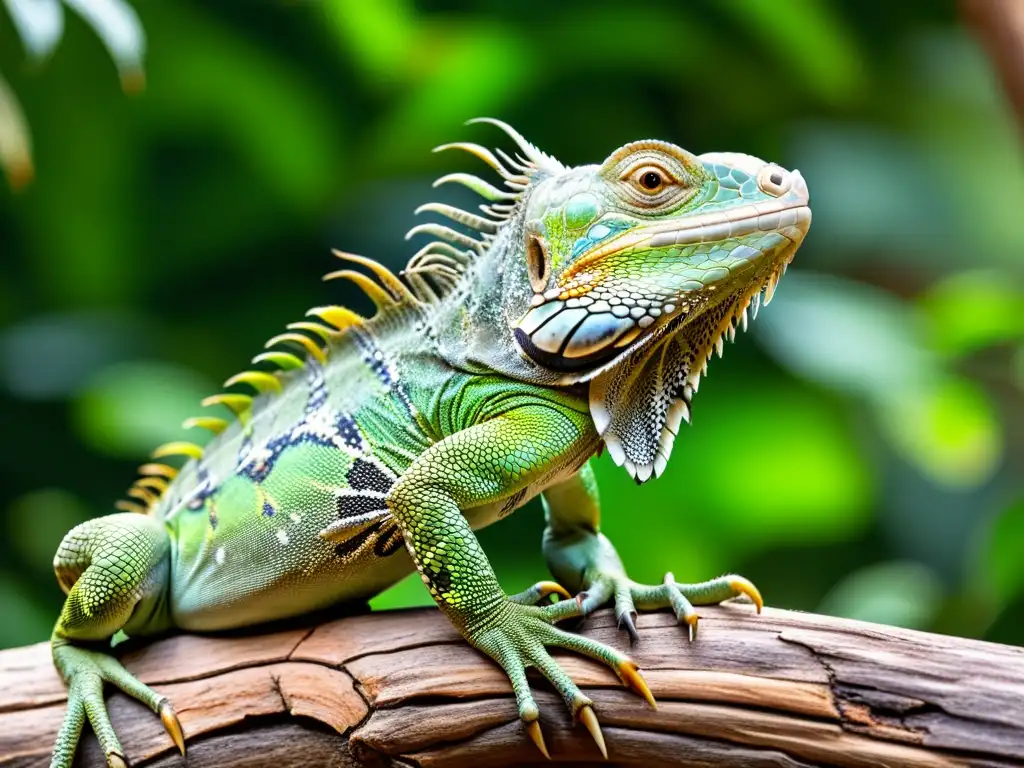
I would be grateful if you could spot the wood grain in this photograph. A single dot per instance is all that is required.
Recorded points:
(402, 688)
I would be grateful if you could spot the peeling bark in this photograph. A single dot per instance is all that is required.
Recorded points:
(403, 689)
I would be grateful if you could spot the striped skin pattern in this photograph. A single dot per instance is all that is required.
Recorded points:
(578, 313)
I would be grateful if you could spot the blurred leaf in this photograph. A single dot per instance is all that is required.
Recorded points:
(946, 426)
(1002, 559)
(760, 467)
(380, 36)
(40, 24)
(461, 82)
(874, 193)
(877, 350)
(24, 620)
(408, 593)
(130, 408)
(972, 310)
(810, 39)
(39, 520)
(49, 356)
(273, 117)
(118, 26)
(949, 429)
(900, 593)
(15, 141)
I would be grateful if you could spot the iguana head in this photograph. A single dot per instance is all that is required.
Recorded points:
(628, 274)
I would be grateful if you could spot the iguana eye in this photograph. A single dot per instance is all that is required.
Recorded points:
(650, 180)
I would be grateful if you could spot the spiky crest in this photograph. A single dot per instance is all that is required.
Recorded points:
(430, 274)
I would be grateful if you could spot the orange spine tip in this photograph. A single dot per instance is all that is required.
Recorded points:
(284, 360)
(303, 341)
(261, 381)
(318, 329)
(178, 448)
(159, 470)
(211, 423)
(378, 295)
(142, 494)
(157, 484)
(339, 317)
(130, 506)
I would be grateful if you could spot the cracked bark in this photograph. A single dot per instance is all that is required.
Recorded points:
(403, 689)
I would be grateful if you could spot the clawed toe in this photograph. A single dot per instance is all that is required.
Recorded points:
(537, 736)
(172, 725)
(586, 716)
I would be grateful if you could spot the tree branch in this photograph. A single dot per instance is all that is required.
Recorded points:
(402, 688)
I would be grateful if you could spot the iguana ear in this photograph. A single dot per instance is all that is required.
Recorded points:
(639, 405)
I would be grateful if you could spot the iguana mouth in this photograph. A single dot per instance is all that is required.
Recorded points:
(569, 332)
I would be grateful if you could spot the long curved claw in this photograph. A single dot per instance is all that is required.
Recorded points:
(589, 719)
(172, 725)
(114, 760)
(691, 622)
(628, 621)
(533, 728)
(632, 679)
(744, 586)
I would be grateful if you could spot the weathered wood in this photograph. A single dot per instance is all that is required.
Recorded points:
(402, 688)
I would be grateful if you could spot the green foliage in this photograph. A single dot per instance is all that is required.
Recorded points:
(858, 453)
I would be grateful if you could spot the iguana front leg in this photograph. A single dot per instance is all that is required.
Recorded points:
(582, 558)
(479, 465)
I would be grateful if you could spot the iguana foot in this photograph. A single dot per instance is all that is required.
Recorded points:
(85, 671)
(517, 636)
(681, 598)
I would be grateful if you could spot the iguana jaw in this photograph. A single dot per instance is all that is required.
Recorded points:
(565, 330)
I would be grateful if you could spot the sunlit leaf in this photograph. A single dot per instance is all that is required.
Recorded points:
(844, 335)
(26, 622)
(806, 36)
(39, 520)
(760, 466)
(379, 35)
(15, 141)
(971, 310)
(461, 83)
(130, 408)
(900, 593)
(948, 428)
(40, 24)
(1002, 559)
(407, 593)
(272, 116)
(118, 26)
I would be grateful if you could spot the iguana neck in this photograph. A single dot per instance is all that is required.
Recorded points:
(472, 326)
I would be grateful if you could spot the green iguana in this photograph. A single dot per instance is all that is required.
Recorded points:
(578, 312)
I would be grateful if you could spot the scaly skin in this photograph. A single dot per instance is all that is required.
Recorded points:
(580, 317)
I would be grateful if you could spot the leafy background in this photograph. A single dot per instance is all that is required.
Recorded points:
(860, 453)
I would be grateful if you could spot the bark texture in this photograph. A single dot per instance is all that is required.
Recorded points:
(402, 688)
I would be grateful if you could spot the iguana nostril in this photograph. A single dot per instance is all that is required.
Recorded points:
(776, 178)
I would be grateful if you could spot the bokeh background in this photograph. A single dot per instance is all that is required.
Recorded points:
(859, 453)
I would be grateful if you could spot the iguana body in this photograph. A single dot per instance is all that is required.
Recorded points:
(580, 316)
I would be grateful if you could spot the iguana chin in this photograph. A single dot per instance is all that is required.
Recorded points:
(578, 311)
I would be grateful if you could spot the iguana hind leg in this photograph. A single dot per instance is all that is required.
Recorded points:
(582, 558)
(115, 571)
